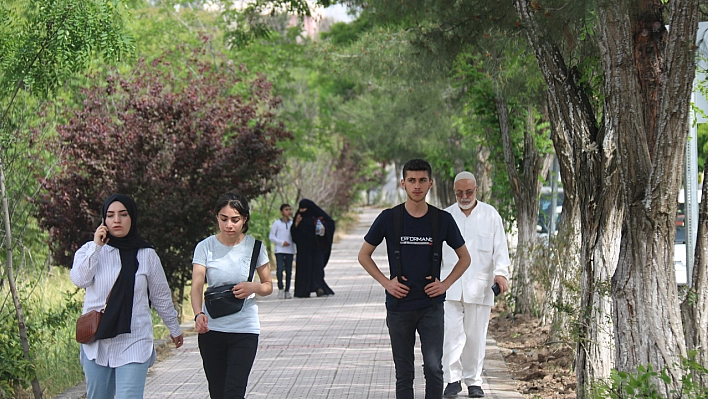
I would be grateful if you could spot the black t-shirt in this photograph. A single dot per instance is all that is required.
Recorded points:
(416, 253)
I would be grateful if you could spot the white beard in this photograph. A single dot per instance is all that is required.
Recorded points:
(467, 206)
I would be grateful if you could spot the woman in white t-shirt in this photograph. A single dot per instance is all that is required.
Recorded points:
(228, 344)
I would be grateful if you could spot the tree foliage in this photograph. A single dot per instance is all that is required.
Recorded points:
(173, 146)
(42, 43)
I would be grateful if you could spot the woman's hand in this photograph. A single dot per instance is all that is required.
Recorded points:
(202, 323)
(244, 289)
(100, 237)
(178, 341)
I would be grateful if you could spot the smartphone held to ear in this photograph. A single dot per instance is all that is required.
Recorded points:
(103, 222)
(496, 289)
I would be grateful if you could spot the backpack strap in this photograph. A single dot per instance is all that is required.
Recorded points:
(397, 233)
(437, 246)
(254, 259)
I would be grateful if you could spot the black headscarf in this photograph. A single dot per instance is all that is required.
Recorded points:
(119, 310)
(311, 214)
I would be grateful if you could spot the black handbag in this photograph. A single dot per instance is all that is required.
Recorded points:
(220, 300)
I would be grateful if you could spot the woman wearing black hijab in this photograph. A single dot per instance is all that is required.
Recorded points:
(313, 249)
(124, 269)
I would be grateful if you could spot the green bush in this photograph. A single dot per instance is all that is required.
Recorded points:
(15, 371)
(50, 317)
(643, 383)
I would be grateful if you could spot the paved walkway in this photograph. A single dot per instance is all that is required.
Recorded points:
(333, 347)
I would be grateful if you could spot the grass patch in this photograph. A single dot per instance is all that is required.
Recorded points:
(51, 304)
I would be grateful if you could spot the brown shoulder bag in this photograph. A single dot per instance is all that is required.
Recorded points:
(87, 324)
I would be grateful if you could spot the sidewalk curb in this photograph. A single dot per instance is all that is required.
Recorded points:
(496, 373)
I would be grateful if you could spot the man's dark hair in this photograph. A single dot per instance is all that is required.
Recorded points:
(284, 206)
(418, 165)
(237, 202)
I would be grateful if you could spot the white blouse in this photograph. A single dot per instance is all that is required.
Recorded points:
(96, 268)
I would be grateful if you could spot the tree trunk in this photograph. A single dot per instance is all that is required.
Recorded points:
(587, 166)
(482, 173)
(648, 74)
(11, 280)
(526, 192)
(694, 309)
(563, 300)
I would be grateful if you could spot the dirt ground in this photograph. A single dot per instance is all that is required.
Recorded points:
(542, 370)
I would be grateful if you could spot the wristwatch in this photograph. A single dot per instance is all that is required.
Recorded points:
(197, 315)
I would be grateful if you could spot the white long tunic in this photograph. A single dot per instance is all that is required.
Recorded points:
(484, 236)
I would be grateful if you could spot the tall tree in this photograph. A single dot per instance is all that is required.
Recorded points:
(625, 173)
(521, 130)
(647, 104)
(41, 45)
(586, 159)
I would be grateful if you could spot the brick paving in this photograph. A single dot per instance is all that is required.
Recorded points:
(333, 347)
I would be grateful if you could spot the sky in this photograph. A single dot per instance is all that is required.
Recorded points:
(338, 12)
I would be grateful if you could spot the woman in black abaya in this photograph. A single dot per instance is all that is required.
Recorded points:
(313, 250)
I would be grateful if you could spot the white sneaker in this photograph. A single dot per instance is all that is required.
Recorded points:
(280, 294)
(287, 295)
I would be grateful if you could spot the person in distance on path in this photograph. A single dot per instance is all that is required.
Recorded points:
(284, 249)
(313, 233)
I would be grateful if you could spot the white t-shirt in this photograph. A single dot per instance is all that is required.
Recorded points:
(230, 265)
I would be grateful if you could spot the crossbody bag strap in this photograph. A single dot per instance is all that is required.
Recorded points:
(254, 259)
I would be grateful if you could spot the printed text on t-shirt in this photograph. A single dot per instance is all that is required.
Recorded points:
(408, 240)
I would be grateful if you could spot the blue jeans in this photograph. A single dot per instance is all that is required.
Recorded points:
(429, 323)
(285, 264)
(123, 382)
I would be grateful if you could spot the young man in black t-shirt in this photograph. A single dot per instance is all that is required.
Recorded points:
(415, 301)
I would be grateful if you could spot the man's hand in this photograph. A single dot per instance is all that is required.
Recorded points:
(397, 289)
(286, 244)
(503, 285)
(436, 288)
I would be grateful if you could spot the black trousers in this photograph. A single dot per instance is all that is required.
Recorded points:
(227, 359)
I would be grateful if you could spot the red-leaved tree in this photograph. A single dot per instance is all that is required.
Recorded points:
(174, 136)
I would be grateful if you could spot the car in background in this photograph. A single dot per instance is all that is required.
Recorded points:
(544, 218)
(544, 210)
(680, 264)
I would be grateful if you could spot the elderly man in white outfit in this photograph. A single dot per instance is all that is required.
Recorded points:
(470, 299)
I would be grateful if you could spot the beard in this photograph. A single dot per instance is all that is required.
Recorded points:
(465, 207)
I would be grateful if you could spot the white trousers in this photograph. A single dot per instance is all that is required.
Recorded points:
(465, 341)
